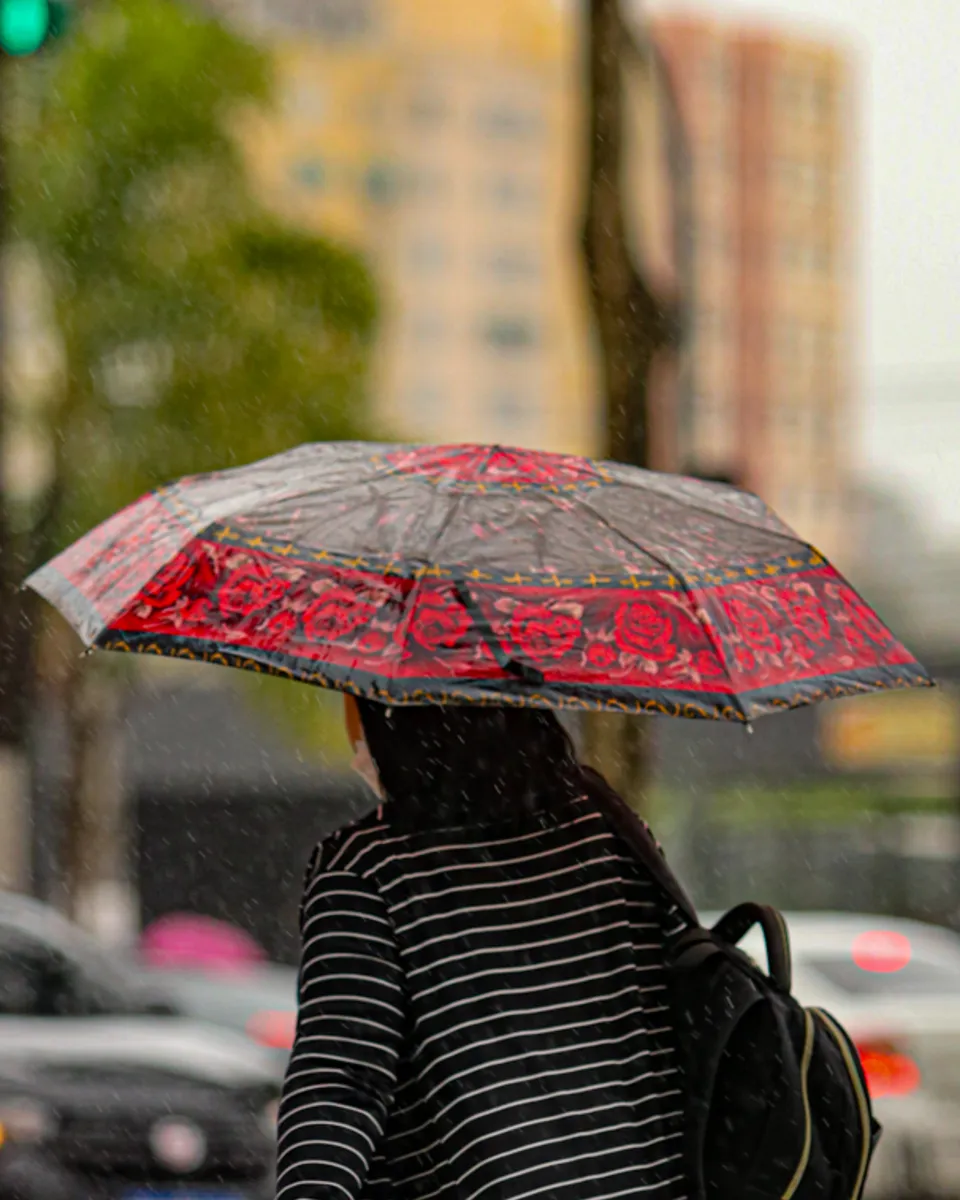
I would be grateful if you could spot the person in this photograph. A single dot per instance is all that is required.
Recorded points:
(483, 1009)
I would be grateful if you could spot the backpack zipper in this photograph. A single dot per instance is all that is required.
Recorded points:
(805, 1096)
(862, 1103)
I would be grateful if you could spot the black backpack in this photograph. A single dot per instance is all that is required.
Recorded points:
(776, 1101)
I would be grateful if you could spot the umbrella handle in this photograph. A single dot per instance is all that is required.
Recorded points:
(513, 666)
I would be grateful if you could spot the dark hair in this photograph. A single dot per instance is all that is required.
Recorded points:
(459, 765)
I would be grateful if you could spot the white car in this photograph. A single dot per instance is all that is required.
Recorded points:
(895, 986)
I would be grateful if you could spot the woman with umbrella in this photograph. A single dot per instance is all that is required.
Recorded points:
(483, 1006)
(482, 995)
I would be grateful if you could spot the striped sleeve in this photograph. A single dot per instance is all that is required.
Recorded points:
(342, 1071)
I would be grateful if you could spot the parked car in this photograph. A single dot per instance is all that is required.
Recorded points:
(895, 985)
(258, 1001)
(90, 1119)
(49, 968)
(103, 1085)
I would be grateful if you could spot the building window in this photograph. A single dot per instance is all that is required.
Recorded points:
(789, 91)
(820, 99)
(427, 254)
(427, 108)
(710, 240)
(427, 327)
(823, 427)
(710, 324)
(807, 97)
(333, 20)
(381, 183)
(371, 109)
(798, 343)
(513, 263)
(812, 182)
(804, 255)
(423, 402)
(304, 99)
(503, 121)
(310, 174)
(821, 256)
(787, 338)
(511, 191)
(716, 72)
(713, 157)
(509, 409)
(424, 183)
(509, 333)
(791, 416)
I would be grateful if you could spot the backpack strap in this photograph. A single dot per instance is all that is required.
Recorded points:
(738, 921)
(637, 836)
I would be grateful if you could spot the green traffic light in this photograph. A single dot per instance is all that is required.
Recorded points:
(24, 25)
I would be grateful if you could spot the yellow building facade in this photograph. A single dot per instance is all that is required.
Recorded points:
(442, 140)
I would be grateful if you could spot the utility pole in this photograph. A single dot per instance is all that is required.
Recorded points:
(635, 327)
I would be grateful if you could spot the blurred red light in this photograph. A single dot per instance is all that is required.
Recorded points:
(888, 1072)
(273, 1028)
(881, 950)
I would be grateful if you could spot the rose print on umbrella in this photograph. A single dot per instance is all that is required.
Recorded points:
(338, 613)
(250, 588)
(644, 629)
(757, 623)
(543, 631)
(439, 621)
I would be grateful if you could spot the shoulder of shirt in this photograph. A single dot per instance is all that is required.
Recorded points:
(363, 845)
(339, 851)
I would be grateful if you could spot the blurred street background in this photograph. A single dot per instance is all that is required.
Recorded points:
(230, 227)
(717, 238)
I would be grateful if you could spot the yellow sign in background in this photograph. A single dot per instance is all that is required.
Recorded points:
(894, 729)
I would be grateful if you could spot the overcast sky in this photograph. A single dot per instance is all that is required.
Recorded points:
(907, 53)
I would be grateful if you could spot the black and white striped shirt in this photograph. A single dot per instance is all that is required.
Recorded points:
(482, 1017)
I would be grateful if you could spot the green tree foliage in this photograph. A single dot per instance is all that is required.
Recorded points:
(198, 331)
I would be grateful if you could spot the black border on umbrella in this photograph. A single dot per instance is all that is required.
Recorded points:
(740, 707)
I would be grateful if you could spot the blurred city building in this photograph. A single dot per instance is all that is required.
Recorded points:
(445, 140)
(442, 139)
(767, 118)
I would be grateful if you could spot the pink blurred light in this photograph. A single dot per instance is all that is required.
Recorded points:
(188, 940)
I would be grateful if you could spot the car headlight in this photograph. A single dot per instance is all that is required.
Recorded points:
(268, 1118)
(23, 1119)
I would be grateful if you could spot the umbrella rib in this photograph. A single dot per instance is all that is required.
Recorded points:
(784, 532)
(697, 609)
(434, 551)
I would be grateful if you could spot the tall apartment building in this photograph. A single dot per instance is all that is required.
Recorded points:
(440, 138)
(768, 123)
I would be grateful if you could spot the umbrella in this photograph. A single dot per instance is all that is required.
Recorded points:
(480, 574)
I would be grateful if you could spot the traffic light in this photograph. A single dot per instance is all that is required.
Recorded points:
(26, 25)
